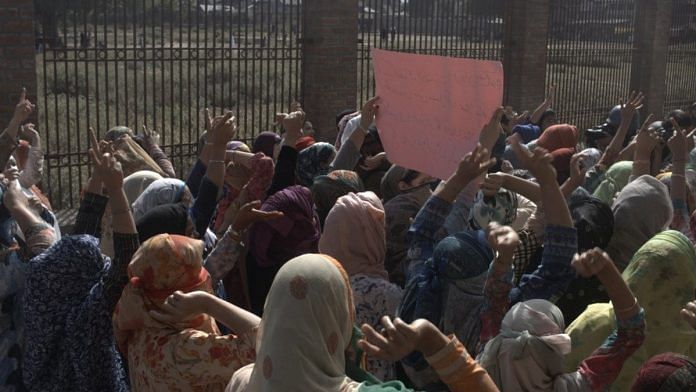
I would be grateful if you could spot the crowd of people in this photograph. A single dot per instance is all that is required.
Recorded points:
(550, 260)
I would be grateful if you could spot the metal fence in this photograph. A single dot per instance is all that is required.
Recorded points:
(589, 57)
(472, 29)
(103, 63)
(681, 54)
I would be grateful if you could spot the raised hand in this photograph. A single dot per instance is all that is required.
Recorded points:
(591, 263)
(250, 214)
(373, 162)
(473, 165)
(23, 109)
(224, 129)
(491, 131)
(678, 143)
(207, 120)
(551, 96)
(646, 140)
(538, 162)
(368, 112)
(492, 184)
(518, 119)
(151, 136)
(180, 307)
(688, 313)
(577, 169)
(630, 106)
(397, 340)
(108, 169)
(503, 240)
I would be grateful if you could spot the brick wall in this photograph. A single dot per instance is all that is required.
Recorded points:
(649, 65)
(329, 63)
(17, 61)
(524, 53)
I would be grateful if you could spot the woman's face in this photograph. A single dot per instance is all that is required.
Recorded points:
(420, 180)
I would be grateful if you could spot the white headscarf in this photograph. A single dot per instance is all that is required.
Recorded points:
(306, 327)
(160, 192)
(135, 184)
(528, 353)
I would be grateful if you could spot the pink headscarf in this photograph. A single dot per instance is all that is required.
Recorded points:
(354, 234)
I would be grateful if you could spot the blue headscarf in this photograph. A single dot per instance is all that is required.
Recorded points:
(314, 161)
(69, 337)
(527, 132)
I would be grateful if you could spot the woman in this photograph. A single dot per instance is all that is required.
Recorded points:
(268, 143)
(615, 179)
(314, 161)
(662, 274)
(160, 192)
(666, 372)
(135, 184)
(558, 136)
(189, 354)
(354, 233)
(642, 209)
(327, 189)
(306, 336)
(273, 243)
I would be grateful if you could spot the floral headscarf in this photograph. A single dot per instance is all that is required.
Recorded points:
(501, 208)
(313, 162)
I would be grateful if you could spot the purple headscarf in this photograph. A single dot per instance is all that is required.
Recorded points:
(276, 241)
(265, 143)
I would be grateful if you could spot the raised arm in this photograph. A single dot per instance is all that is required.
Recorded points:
(348, 155)
(628, 111)
(539, 111)
(32, 172)
(151, 144)
(646, 141)
(447, 356)
(678, 146)
(286, 166)
(603, 366)
(38, 235)
(93, 202)
(8, 138)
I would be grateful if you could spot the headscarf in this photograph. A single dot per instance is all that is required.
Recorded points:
(558, 136)
(590, 156)
(68, 335)
(662, 275)
(390, 182)
(667, 372)
(306, 328)
(594, 222)
(236, 145)
(327, 189)
(274, 242)
(398, 214)
(118, 132)
(185, 354)
(314, 161)
(528, 353)
(614, 181)
(168, 218)
(561, 162)
(354, 233)
(265, 143)
(642, 209)
(527, 132)
(133, 158)
(304, 142)
(160, 192)
(501, 208)
(135, 184)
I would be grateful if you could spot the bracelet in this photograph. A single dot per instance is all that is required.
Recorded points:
(628, 309)
(215, 161)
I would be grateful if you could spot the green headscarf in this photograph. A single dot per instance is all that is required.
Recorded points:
(662, 275)
(615, 180)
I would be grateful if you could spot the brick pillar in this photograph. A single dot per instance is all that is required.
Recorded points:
(17, 58)
(524, 52)
(649, 64)
(329, 62)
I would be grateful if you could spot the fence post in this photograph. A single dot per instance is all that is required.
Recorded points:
(329, 62)
(649, 60)
(525, 53)
(17, 58)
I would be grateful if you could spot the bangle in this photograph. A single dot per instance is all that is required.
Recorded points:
(216, 161)
(628, 309)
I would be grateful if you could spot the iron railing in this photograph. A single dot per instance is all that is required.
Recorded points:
(103, 63)
(472, 29)
(681, 52)
(589, 57)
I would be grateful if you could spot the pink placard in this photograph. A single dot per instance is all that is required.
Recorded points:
(432, 108)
